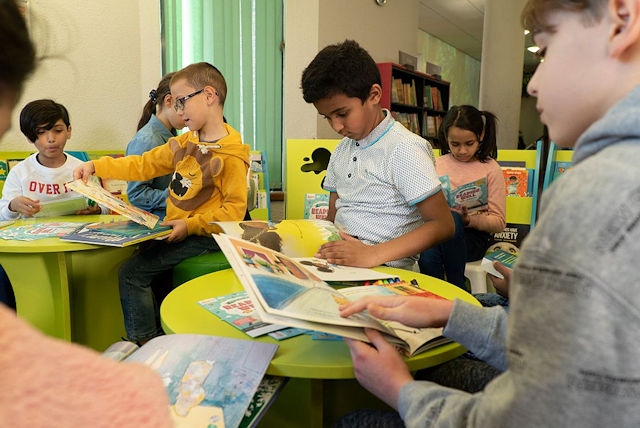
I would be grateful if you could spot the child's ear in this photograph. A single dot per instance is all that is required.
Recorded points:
(625, 30)
(375, 93)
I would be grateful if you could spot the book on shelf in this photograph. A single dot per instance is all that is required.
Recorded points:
(285, 292)
(210, 380)
(516, 180)
(97, 193)
(118, 233)
(560, 168)
(473, 195)
(61, 207)
(316, 206)
(507, 258)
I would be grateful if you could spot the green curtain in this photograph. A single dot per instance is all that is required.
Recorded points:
(243, 38)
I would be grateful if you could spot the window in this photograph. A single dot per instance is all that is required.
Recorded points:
(242, 38)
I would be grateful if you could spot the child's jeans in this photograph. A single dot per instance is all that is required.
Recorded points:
(139, 305)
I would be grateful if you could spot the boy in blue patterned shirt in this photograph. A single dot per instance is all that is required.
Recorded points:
(385, 195)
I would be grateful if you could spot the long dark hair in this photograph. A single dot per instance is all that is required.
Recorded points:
(155, 96)
(471, 119)
(17, 56)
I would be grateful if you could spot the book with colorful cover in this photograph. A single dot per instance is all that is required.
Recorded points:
(103, 197)
(285, 292)
(507, 258)
(473, 195)
(316, 205)
(516, 180)
(238, 310)
(210, 380)
(38, 230)
(120, 233)
(560, 168)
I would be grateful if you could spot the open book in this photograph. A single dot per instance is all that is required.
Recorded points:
(299, 239)
(95, 192)
(286, 292)
(210, 380)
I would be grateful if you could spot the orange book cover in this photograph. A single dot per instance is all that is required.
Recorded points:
(516, 180)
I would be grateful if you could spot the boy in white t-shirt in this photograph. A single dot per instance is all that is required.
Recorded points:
(42, 176)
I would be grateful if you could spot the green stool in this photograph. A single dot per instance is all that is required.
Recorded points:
(196, 266)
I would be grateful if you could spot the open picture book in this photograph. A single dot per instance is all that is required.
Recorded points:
(300, 240)
(285, 292)
(211, 381)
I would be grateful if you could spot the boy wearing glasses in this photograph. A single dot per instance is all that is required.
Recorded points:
(209, 167)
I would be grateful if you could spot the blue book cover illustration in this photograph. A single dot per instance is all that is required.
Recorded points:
(237, 309)
(210, 380)
(474, 195)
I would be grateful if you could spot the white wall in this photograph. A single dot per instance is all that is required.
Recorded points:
(103, 59)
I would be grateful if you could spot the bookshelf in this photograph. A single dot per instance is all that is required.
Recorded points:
(417, 100)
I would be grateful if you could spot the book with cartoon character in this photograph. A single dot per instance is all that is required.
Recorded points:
(210, 380)
(285, 292)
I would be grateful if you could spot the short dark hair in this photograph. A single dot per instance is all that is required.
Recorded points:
(17, 53)
(344, 68)
(41, 114)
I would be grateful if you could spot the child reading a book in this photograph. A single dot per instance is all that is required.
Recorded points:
(570, 344)
(42, 176)
(157, 124)
(385, 196)
(468, 155)
(46, 382)
(209, 183)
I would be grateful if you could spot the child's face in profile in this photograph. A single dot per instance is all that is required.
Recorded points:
(349, 116)
(573, 82)
(50, 142)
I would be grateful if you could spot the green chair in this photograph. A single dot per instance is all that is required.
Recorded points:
(196, 266)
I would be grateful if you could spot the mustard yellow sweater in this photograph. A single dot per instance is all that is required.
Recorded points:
(209, 181)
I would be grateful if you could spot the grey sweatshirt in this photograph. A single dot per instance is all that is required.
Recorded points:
(571, 343)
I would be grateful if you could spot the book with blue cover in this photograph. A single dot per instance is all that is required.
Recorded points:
(473, 195)
(120, 233)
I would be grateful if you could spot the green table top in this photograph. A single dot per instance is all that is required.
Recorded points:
(299, 356)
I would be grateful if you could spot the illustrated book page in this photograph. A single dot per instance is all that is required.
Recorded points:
(294, 238)
(285, 292)
(103, 197)
(210, 380)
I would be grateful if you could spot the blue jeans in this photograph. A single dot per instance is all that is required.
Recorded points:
(448, 259)
(155, 258)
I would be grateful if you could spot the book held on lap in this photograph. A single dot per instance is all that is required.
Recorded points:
(210, 380)
(284, 291)
(473, 195)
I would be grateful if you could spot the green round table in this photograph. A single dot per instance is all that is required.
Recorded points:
(65, 289)
(321, 369)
